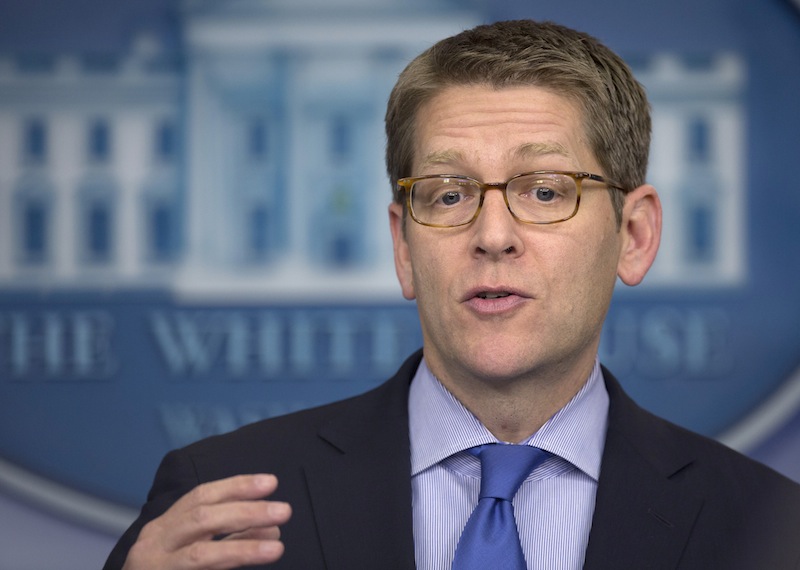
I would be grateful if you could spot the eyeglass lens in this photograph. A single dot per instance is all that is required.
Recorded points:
(535, 198)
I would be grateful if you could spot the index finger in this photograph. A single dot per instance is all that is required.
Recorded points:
(236, 488)
(210, 509)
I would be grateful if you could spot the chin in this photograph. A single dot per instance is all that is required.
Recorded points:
(499, 367)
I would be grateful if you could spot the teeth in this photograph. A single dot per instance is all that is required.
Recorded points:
(493, 295)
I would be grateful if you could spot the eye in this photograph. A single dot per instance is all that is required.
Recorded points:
(450, 193)
(544, 194)
(450, 198)
(547, 189)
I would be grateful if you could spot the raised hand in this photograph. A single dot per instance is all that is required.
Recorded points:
(216, 526)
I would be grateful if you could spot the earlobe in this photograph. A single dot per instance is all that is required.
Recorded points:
(402, 254)
(641, 234)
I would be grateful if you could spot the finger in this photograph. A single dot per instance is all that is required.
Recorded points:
(240, 487)
(252, 526)
(207, 555)
(219, 507)
(206, 521)
(224, 555)
(236, 517)
(264, 533)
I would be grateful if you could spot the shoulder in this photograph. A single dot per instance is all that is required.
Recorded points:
(659, 440)
(311, 431)
(736, 512)
(701, 464)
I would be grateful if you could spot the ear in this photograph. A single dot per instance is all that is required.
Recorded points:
(402, 254)
(640, 233)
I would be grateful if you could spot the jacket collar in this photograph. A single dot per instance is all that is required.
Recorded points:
(361, 493)
(642, 512)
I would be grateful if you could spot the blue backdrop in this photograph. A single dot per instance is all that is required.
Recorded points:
(183, 248)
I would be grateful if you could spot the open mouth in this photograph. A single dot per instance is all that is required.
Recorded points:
(498, 295)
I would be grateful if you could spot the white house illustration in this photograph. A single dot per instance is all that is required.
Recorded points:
(250, 165)
(697, 162)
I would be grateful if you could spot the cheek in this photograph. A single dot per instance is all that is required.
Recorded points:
(598, 276)
(428, 277)
(435, 277)
(416, 269)
(586, 274)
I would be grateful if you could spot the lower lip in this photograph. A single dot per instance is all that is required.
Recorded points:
(495, 306)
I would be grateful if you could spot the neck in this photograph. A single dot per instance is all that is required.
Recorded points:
(513, 410)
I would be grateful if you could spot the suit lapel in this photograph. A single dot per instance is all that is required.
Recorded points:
(643, 515)
(360, 489)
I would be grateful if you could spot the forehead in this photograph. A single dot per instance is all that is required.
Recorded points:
(470, 125)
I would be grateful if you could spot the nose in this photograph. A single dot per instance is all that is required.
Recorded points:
(495, 231)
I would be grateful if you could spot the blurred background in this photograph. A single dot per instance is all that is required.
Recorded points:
(193, 232)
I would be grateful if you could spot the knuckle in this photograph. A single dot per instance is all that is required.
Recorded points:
(201, 493)
(200, 515)
(195, 553)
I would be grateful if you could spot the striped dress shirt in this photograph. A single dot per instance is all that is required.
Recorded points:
(554, 506)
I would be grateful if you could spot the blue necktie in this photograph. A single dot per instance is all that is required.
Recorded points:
(490, 538)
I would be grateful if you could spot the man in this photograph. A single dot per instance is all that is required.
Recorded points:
(518, 154)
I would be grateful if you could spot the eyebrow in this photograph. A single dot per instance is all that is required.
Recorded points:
(535, 150)
(442, 157)
(525, 151)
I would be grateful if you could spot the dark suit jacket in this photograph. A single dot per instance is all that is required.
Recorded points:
(667, 498)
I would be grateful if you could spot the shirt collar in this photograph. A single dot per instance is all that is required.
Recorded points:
(441, 426)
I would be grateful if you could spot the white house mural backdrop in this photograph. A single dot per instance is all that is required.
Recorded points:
(193, 232)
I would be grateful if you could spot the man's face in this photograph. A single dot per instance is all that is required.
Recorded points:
(501, 301)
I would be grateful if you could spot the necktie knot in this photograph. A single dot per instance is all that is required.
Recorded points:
(505, 467)
(490, 538)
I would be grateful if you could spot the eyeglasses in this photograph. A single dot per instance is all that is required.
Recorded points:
(541, 197)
